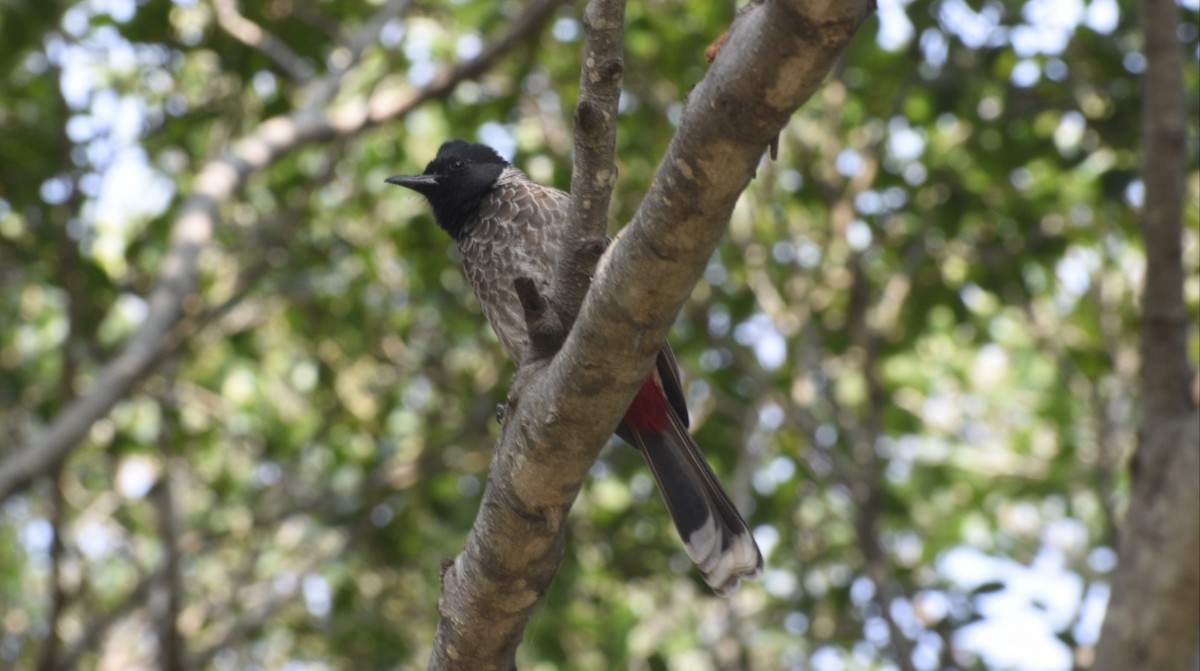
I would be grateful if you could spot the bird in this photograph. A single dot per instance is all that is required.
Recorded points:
(508, 226)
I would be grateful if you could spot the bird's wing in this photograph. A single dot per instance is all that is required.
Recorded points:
(551, 207)
(668, 370)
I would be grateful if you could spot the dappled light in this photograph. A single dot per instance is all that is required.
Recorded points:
(248, 400)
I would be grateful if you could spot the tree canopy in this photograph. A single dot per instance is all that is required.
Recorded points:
(248, 401)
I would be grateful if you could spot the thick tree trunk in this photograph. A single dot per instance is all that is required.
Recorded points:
(1153, 619)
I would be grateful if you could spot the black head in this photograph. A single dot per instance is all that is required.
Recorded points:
(455, 182)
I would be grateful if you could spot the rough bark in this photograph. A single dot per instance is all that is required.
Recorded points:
(1153, 619)
(565, 408)
(593, 171)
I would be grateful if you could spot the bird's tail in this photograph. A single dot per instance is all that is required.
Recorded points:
(714, 534)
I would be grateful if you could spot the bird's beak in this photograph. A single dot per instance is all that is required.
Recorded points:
(414, 182)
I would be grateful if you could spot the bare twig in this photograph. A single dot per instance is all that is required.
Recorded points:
(192, 232)
(252, 35)
(868, 486)
(170, 643)
(865, 334)
(369, 34)
(594, 172)
(48, 659)
(319, 92)
(387, 105)
(73, 282)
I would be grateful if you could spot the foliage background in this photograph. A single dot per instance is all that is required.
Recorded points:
(913, 360)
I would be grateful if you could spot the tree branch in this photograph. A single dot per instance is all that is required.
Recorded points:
(170, 643)
(1152, 620)
(48, 660)
(72, 279)
(776, 57)
(252, 35)
(1165, 371)
(594, 170)
(869, 487)
(192, 230)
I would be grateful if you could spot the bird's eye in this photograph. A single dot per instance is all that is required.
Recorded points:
(457, 164)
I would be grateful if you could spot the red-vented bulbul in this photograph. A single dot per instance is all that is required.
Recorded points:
(508, 226)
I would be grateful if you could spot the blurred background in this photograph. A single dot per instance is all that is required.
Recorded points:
(913, 360)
